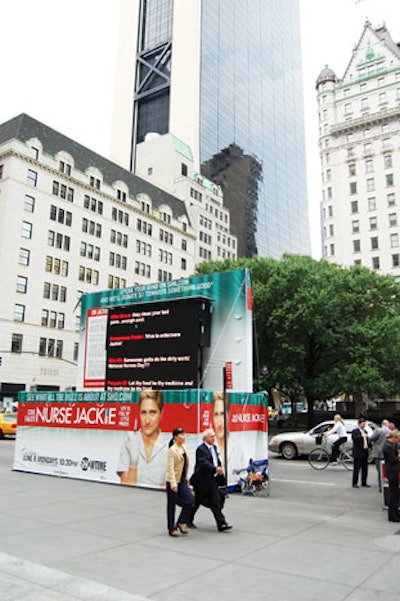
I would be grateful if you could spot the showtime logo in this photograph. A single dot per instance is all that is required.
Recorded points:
(93, 465)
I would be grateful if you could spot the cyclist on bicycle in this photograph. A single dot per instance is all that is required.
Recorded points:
(338, 434)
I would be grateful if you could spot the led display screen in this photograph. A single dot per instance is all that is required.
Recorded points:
(154, 345)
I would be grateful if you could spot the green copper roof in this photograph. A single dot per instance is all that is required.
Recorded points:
(182, 148)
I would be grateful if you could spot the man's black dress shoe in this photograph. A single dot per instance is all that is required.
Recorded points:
(366, 486)
(355, 486)
(224, 527)
(191, 525)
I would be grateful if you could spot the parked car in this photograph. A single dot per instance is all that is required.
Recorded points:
(8, 424)
(292, 444)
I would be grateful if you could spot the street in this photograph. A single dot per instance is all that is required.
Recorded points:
(68, 540)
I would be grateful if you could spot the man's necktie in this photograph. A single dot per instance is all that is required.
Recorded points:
(214, 455)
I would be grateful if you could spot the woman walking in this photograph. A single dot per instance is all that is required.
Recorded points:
(178, 491)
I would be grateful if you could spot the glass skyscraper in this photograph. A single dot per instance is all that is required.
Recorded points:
(218, 73)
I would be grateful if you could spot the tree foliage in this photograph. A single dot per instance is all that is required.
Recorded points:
(323, 329)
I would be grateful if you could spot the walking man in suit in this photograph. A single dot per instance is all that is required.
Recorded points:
(360, 453)
(207, 475)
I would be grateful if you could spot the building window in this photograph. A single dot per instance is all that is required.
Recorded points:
(368, 148)
(57, 266)
(386, 143)
(163, 276)
(92, 204)
(29, 203)
(16, 343)
(392, 219)
(26, 230)
(388, 162)
(19, 312)
(394, 240)
(76, 351)
(352, 169)
(143, 248)
(65, 168)
(120, 216)
(86, 274)
(51, 347)
(364, 103)
(183, 263)
(354, 206)
(355, 226)
(389, 180)
(353, 187)
(184, 169)
(1, 171)
(375, 263)
(369, 166)
(374, 243)
(94, 182)
(166, 237)
(24, 256)
(116, 282)
(371, 203)
(22, 284)
(391, 199)
(121, 195)
(32, 177)
(370, 184)
(396, 260)
(60, 215)
(356, 246)
(382, 97)
(63, 191)
(373, 223)
(184, 244)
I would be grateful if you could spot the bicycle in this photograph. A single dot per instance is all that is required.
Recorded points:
(320, 455)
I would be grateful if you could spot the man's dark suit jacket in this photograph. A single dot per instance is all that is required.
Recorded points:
(204, 474)
(391, 458)
(358, 444)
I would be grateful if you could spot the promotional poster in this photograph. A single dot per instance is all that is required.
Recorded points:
(122, 437)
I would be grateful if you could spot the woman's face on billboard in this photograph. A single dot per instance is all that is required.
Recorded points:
(150, 417)
(218, 418)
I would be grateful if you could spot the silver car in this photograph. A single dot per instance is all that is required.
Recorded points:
(292, 444)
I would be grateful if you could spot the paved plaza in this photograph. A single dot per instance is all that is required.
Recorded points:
(313, 538)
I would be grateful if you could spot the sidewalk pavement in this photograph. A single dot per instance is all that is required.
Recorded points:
(314, 537)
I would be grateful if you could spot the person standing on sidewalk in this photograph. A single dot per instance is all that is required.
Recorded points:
(378, 439)
(178, 491)
(392, 465)
(360, 453)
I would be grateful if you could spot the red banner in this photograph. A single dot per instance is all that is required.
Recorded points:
(125, 416)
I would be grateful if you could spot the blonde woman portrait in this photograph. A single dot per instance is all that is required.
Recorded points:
(143, 453)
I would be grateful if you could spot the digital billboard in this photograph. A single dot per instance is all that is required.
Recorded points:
(155, 345)
(230, 296)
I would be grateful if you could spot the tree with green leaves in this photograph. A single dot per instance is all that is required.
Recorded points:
(322, 329)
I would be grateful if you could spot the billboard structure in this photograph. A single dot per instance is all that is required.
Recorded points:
(122, 437)
(153, 358)
(169, 335)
